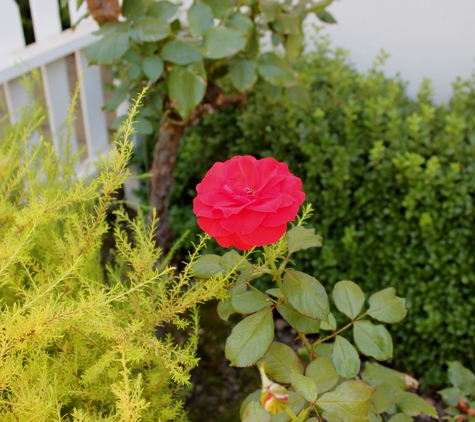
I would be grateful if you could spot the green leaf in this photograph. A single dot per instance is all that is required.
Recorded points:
(412, 405)
(461, 377)
(298, 321)
(255, 413)
(376, 374)
(180, 52)
(322, 371)
(200, 18)
(349, 402)
(306, 387)
(132, 56)
(225, 308)
(133, 9)
(275, 71)
(143, 126)
(162, 10)
(219, 7)
(345, 358)
(326, 17)
(318, 7)
(149, 29)
(243, 74)
(275, 292)
(118, 121)
(306, 294)
(250, 339)
(220, 42)
(287, 23)
(293, 46)
(385, 306)
(120, 94)
(152, 67)
(324, 350)
(280, 361)
(187, 87)
(250, 302)
(207, 266)
(329, 324)
(134, 71)
(109, 48)
(373, 340)
(401, 417)
(451, 396)
(241, 22)
(300, 238)
(383, 398)
(299, 95)
(270, 9)
(348, 298)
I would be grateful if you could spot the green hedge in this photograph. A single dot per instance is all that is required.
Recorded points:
(392, 181)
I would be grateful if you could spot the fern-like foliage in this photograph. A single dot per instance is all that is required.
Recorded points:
(79, 341)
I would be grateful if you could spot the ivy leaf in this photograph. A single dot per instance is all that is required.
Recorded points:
(373, 340)
(108, 49)
(345, 358)
(385, 306)
(270, 9)
(250, 302)
(306, 294)
(348, 298)
(349, 402)
(298, 321)
(275, 71)
(300, 238)
(461, 377)
(306, 387)
(187, 87)
(220, 42)
(281, 361)
(412, 405)
(243, 74)
(322, 371)
(255, 413)
(162, 10)
(149, 29)
(207, 266)
(250, 339)
(200, 18)
(152, 66)
(180, 52)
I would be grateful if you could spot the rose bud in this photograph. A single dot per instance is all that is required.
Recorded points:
(274, 397)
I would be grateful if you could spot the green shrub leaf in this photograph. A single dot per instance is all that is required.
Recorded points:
(243, 74)
(206, 266)
(412, 405)
(108, 49)
(299, 95)
(385, 306)
(270, 9)
(298, 321)
(281, 361)
(220, 42)
(345, 358)
(143, 126)
(219, 7)
(461, 377)
(305, 386)
(287, 23)
(200, 18)
(255, 413)
(250, 339)
(329, 324)
(401, 417)
(373, 340)
(275, 71)
(322, 371)
(306, 294)
(250, 302)
(152, 67)
(162, 10)
(348, 298)
(180, 52)
(384, 397)
(149, 29)
(451, 395)
(241, 22)
(300, 238)
(375, 374)
(349, 402)
(326, 17)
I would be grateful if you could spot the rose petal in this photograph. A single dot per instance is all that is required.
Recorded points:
(266, 204)
(210, 183)
(264, 235)
(203, 210)
(244, 222)
(242, 171)
(212, 227)
(233, 240)
(281, 216)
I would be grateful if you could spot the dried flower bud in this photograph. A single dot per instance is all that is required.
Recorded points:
(274, 397)
(411, 382)
(104, 10)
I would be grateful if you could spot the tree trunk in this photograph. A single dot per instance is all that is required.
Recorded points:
(162, 180)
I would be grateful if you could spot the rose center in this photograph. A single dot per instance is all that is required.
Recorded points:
(249, 191)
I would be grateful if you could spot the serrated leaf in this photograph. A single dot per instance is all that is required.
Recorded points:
(241, 22)
(299, 238)
(329, 324)
(349, 402)
(152, 67)
(250, 339)
(401, 417)
(373, 340)
(219, 7)
(287, 23)
(275, 71)
(306, 387)
(243, 74)
(220, 42)
(451, 396)
(162, 10)
(345, 358)
(384, 397)
(349, 298)
(255, 413)
(461, 377)
(206, 266)
(300, 322)
(280, 361)
(230, 259)
(200, 18)
(376, 374)
(412, 405)
(306, 294)
(109, 48)
(180, 52)
(149, 29)
(250, 302)
(322, 371)
(143, 126)
(187, 87)
(270, 9)
(225, 308)
(385, 306)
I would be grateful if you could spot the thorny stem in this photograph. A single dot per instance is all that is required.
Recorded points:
(322, 340)
(307, 345)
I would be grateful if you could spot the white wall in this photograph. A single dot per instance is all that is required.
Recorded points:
(425, 38)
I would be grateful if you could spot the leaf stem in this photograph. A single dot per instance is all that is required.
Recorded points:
(337, 332)
(277, 273)
(291, 414)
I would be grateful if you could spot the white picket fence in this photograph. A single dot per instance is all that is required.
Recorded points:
(49, 54)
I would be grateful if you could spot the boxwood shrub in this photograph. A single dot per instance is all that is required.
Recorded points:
(392, 180)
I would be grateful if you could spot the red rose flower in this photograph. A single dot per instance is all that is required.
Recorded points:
(245, 202)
